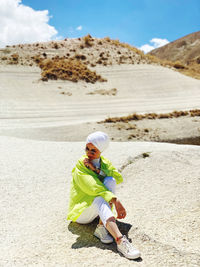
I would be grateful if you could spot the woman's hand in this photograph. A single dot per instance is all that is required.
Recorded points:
(89, 164)
(121, 212)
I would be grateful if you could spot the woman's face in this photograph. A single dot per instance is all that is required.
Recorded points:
(92, 152)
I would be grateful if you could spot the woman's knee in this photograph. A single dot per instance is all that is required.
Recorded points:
(98, 201)
(110, 183)
(111, 219)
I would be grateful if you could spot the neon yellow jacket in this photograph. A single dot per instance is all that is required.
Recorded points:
(85, 186)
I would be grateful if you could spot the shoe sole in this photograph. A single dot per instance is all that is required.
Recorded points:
(103, 241)
(130, 257)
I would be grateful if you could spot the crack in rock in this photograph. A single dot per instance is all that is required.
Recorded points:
(131, 160)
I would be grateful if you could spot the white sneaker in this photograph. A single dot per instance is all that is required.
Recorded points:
(127, 249)
(102, 233)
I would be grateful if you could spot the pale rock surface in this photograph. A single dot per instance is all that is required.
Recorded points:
(160, 192)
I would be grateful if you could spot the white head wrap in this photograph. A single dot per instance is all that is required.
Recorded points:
(99, 139)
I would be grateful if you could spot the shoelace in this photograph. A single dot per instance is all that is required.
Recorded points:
(127, 244)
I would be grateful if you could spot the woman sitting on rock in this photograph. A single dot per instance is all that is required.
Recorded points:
(93, 194)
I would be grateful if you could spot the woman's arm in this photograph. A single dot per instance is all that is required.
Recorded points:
(110, 170)
(91, 185)
(89, 165)
(121, 212)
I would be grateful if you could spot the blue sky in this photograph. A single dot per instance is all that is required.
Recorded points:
(132, 21)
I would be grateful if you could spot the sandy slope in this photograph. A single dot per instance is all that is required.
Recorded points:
(27, 102)
(160, 193)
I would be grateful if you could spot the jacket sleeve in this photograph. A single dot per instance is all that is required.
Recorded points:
(110, 170)
(91, 185)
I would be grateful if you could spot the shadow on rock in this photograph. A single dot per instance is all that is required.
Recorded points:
(87, 239)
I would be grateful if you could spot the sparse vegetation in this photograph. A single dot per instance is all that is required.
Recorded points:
(55, 46)
(104, 92)
(135, 116)
(145, 155)
(119, 53)
(192, 69)
(88, 40)
(80, 57)
(14, 59)
(67, 69)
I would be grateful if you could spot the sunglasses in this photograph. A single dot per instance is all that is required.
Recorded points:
(92, 150)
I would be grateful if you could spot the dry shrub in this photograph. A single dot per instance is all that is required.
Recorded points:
(164, 116)
(67, 69)
(135, 116)
(112, 91)
(179, 65)
(80, 57)
(151, 116)
(93, 65)
(192, 69)
(55, 46)
(107, 39)
(176, 114)
(14, 59)
(99, 61)
(88, 40)
(122, 59)
(194, 112)
(117, 43)
(36, 59)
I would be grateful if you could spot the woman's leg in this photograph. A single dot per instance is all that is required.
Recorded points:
(107, 217)
(113, 229)
(110, 183)
(91, 213)
(88, 215)
(101, 207)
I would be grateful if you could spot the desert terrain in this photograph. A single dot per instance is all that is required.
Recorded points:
(43, 127)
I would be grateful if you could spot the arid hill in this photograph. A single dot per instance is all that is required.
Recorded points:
(62, 57)
(70, 59)
(185, 52)
(185, 49)
(91, 51)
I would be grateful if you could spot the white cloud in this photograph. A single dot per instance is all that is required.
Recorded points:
(22, 24)
(156, 42)
(146, 48)
(79, 28)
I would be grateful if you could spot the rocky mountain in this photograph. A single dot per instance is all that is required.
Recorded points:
(186, 50)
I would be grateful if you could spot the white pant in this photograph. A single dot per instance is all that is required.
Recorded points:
(99, 206)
